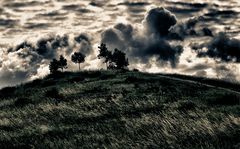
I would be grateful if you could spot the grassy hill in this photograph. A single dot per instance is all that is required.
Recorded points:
(110, 109)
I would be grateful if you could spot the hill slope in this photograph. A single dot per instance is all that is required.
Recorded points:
(119, 110)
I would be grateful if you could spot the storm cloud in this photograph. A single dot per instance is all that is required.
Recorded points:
(159, 21)
(223, 48)
(46, 47)
(187, 28)
(84, 44)
(143, 44)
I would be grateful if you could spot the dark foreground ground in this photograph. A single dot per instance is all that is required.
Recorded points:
(104, 109)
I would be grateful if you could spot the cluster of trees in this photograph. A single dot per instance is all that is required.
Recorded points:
(77, 58)
(114, 60)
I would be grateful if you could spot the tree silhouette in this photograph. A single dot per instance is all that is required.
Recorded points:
(115, 60)
(78, 58)
(104, 53)
(62, 63)
(119, 59)
(53, 66)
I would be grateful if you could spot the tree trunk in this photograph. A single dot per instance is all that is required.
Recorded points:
(79, 66)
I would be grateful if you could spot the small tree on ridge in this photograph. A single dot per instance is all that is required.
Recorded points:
(78, 58)
(104, 53)
(119, 59)
(53, 66)
(62, 63)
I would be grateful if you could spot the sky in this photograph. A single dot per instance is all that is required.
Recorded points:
(192, 37)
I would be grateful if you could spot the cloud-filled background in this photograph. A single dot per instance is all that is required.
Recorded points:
(199, 38)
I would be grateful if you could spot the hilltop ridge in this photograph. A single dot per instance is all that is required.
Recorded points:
(120, 109)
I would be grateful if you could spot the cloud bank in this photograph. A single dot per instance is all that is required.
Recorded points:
(157, 39)
(28, 60)
(222, 48)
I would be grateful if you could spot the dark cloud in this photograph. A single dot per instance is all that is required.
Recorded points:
(134, 3)
(221, 47)
(141, 46)
(76, 8)
(159, 21)
(44, 48)
(187, 28)
(191, 23)
(48, 47)
(114, 39)
(96, 4)
(126, 30)
(82, 37)
(22, 4)
(22, 45)
(187, 4)
(221, 13)
(156, 47)
(51, 46)
(37, 25)
(85, 45)
(222, 16)
(207, 32)
(70, 7)
(32, 56)
(184, 10)
(8, 22)
(1, 10)
(54, 15)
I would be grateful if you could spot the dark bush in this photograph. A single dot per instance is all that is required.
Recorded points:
(22, 101)
(57, 75)
(47, 83)
(76, 79)
(34, 83)
(53, 93)
(91, 74)
(7, 91)
(107, 76)
(135, 70)
(186, 105)
(124, 70)
(132, 79)
(140, 79)
(225, 99)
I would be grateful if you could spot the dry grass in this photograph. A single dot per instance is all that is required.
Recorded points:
(119, 110)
